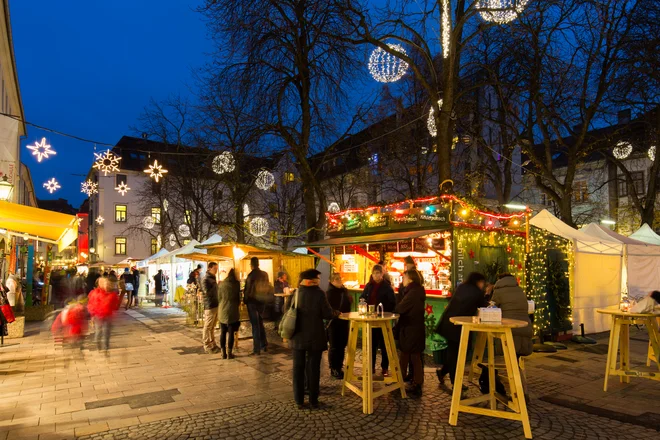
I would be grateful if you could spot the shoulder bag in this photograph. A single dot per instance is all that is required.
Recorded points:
(288, 323)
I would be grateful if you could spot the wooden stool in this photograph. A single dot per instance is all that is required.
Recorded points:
(488, 331)
(392, 383)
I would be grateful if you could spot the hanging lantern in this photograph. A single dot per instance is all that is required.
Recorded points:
(385, 67)
(52, 185)
(223, 163)
(106, 162)
(622, 150)
(41, 149)
(184, 231)
(265, 180)
(333, 208)
(430, 122)
(651, 153)
(501, 11)
(148, 222)
(258, 226)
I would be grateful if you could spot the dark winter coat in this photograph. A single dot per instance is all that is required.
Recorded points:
(210, 288)
(385, 295)
(313, 308)
(340, 300)
(230, 299)
(508, 296)
(412, 331)
(257, 287)
(158, 281)
(465, 302)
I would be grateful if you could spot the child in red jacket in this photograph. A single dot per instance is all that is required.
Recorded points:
(102, 305)
(71, 324)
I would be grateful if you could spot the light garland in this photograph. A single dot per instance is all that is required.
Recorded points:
(246, 210)
(651, 153)
(148, 222)
(385, 67)
(106, 162)
(184, 230)
(88, 187)
(501, 11)
(446, 29)
(223, 163)
(333, 208)
(156, 171)
(430, 122)
(258, 226)
(52, 185)
(122, 188)
(265, 180)
(622, 150)
(41, 149)
(172, 240)
(99, 220)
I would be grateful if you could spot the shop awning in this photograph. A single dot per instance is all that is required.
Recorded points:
(39, 224)
(375, 238)
(198, 256)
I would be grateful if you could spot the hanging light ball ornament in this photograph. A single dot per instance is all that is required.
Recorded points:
(265, 180)
(430, 122)
(333, 208)
(223, 163)
(184, 231)
(622, 150)
(172, 240)
(258, 226)
(501, 11)
(385, 67)
(148, 222)
(651, 153)
(106, 162)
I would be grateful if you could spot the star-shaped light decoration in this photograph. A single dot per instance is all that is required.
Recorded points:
(156, 171)
(471, 254)
(88, 187)
(99, 220)
(122, 188)
(106, 162)
(52, 185)
(429, 309)
(41, 149)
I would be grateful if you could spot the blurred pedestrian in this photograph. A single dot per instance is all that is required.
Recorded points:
(257, 288)
(103, 301)
(379, 291)
(129, 286)
(340, 301)
(71, 325)
(210, 289)
(92, 277)
(281, 284)
(412, 330)
(158, 288)
(229, 316)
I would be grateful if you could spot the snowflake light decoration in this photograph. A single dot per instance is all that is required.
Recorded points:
(172, 240)
(52, 185)
(88, 187)
(106, 162)
(223, 163)
(258, 226)
(446, 29)
(385, 67)
(622, 150)
(156, 171)
(333, 208)
(501, 11)
(122, 188)
(246, 210)
(148, 222)
(265, 180)
(41, 149)
(184, 230)
(99, 220)
(430, 122)
(651, 153)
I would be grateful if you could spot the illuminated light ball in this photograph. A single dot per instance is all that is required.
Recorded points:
(622, 150)
(265, 180)
(333, 208)
(516, 223)
(501, 11)
(430, 122)
(223, 163)
(464, 212)
(385, 67)
(148, 222)
(246, 210)
(184, 230)
(490, 223)
(258, 226)
(651, 153)
(172, 240)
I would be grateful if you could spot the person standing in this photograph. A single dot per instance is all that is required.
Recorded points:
(255, 294)
(158, 288)
(229, 316)
(210, 289)
(102, 303)
(412, 331)
(309, 340)
(379, 291)
(340, 301)
(128, 285)
(281, 283)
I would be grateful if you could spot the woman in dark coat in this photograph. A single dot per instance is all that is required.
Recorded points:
(340, 301)
(229, 292)
(469, 296)
(309, 340)
(412, 331)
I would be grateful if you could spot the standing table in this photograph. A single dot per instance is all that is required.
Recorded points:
(620, 341)
(490, 331)
(392, 383)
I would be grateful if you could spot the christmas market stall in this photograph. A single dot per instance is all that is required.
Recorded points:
(447, 238)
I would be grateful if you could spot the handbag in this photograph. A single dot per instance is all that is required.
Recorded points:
(287, 326)
(8, 312)
(129, 286)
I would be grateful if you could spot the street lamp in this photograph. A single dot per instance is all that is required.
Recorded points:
(5, 188)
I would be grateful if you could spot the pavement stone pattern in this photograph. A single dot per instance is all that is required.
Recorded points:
(157, 383)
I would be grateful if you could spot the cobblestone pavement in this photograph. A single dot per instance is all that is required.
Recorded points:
(157, 383)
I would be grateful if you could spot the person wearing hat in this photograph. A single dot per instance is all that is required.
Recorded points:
(309, 340)
(257, 288)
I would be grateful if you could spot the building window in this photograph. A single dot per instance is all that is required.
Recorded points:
(580, 191)
(120, 213)
(155, 214)
(120, 246)
(638, 181)
(289, 177)
(188, 217)
(154, 245)
(120, 178)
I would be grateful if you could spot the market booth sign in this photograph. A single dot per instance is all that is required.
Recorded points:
(39, 224)
(389, 222)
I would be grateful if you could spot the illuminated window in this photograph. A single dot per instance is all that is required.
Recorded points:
(120, 178)
(120, 246)
(155, 214)
(120, 213)
(188, 217)
(289, 177)
(154, 245)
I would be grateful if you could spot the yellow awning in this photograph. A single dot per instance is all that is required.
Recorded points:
(39, 224)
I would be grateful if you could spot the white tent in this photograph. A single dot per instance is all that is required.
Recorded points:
(169, 256)
(146, 261)
(213, 239)
(646, 234)
(597, 272)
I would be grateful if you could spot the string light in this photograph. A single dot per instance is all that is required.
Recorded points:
(258, 226)
(223, 163)
(430, 122)
(41, 149)
(148, 222)
(501, 11)
(106, 162)
(622, 150)
(52, 185)
(122, 188)
(386, 67)
(651, 153)
(99, 220)
(446, 29)
(88, 187)
(156, 171)
(184, 230)
(265, 180)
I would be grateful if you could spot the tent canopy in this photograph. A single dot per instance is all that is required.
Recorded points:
(213, 239)
(190, 247)
(39, 224)
(145, 262)
(646, 234)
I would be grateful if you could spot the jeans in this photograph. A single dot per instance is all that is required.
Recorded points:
(231, 329)
(258, 331)
(208, 334)
(306, 364)
(414, 359)
(378, 341)
(102, 333)
(338, 337)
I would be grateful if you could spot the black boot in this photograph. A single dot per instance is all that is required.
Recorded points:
(230, 355)
(224, 353)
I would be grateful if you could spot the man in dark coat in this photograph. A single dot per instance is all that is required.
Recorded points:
(469, 296)
(340, 301)
(379, 291)
(309, 341)
(158, 289)
(256, 292)
(210, 289)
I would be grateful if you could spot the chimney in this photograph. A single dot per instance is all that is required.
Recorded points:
(623, 116)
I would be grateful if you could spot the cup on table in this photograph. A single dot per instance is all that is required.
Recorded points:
(372, 310)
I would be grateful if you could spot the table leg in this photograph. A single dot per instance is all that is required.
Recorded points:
(654, 340)
(367, 380)
(615, 344)
(460, 372)
(510, 365)
(608, 363)
(390, 346)
(516, 387)
(624, 362)
(350, 358)
(477, 354)
(491, 372)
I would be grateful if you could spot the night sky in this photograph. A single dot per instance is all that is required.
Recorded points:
(89, 67)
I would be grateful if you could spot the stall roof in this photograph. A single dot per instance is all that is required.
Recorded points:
(158, 254)
(248, 248)
(39, 224)
(190, 247)
(213, 239)
(646, 234)
(375, 238)
(199, 256)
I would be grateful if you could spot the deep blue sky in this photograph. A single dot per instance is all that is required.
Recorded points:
(89, 67)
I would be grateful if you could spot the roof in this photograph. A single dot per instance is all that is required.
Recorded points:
(247, 248)
(13, 65)
(646, 234)
(375, 238)
(57, 205)
(634, 247)
(39, 224)
(146, 261)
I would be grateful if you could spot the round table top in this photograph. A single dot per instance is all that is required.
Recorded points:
(504, 323)
(619, 312)
(355, 316)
